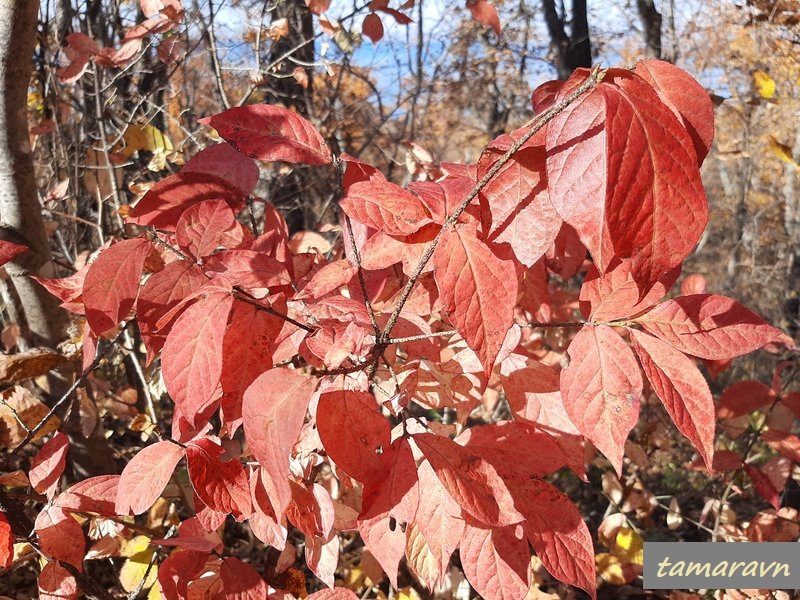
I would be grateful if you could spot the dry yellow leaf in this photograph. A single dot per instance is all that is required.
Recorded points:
(144, 137)
(135, 569)
(155, 592)
(29, 410)
(764, 84)
(629, 547)
(609, 568)
(782, 151)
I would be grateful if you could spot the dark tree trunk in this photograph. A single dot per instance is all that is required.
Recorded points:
(299, 42)
(290, 192)
(574, 50)
(20, 210)
(651, 21)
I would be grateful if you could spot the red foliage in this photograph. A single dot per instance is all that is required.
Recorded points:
(287, 345)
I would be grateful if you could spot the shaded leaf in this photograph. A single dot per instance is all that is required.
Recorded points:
(680, 385)
(478, 286)
(470, 480)
(354, 433)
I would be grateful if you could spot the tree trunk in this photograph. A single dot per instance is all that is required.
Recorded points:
(20, 211)
(574, 50)
(651, 21)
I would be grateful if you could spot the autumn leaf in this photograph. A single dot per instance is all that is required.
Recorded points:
(273, 410)
(470, 480)
(478, 286)
(601, 388)
(191, 359)
(708, 326)
(145, 477)
(682, 389)
(271, 133)
(354, 433)
(495, 561)
(636, 209)
(385, 206)
(764, 84)
(112, 283)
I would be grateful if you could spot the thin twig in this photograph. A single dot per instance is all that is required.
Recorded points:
(78, 382)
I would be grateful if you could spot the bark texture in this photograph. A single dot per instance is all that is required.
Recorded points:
(20, 210)
(573, 50)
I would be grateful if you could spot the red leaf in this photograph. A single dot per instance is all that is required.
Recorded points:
(470, 480)
(743, 397)
(478, 286)
(784, 443)
(708, 326)
(680, 385)
(165, 202)
(146, 476)
(162, 292)
(485, 13)
(178, 570)
(386, 207)
(544, 96)
(255, 272)
(273, 411)
(388, 507)
(615, 294)
(495, 561)
(222, 486)
(318, 6)
(93, 495)
(372, 28)
(311, 511)
(9, 250)
(328, 279)
(6, 542)
(112, 283)
(558, 533)
(322, 557)
(689, 101)
(271, 133)
(519, 451)
(56, 583)
(515, 202)
(763, 486)
(601, 388)
(191, 361)
(48, 464)
(206, 226)
(67, 289)
(619, 202)
(354, 433)
(225, 162)
(60, 536)
(246, 353)
(240, 581)
(534, 396)
(439, 519)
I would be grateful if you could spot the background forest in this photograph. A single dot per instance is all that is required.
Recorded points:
(113, 105)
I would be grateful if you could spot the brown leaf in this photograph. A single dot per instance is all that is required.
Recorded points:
(27, 365)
